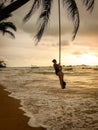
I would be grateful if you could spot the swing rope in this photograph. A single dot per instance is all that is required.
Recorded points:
(59, 12)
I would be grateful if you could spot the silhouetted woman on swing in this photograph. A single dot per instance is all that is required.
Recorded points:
(59, 73)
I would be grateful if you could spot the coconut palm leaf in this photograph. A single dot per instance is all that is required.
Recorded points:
(89, 4)
(43, 18)
(9, 32)
(35, 6)
(1, 5)
(11, 8)
(74, 14)
(45, 12)
(4, 15)
(4, 1)
(5, 25)
(12, 0)
(9, 25)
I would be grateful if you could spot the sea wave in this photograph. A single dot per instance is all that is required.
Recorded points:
(47, 104)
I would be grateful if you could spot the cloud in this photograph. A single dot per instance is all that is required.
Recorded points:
(22, 51)
(77, 53)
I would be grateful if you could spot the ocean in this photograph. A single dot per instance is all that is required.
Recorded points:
(49, 106)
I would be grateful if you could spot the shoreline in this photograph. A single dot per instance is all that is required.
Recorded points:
(11, 117)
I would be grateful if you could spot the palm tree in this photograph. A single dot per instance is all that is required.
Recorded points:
(4, 28)
(2, 64)
(44, 16)
(46, 11)
(12, 6)
(5, 25)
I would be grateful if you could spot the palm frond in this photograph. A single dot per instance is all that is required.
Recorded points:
(35, 6)
(12, 0)
(12, 7)
(1, 6)
(3, 1)
(74, 14)
(5, 16)
(44, 18)
(89, 4)
(9, 32)
(5, 25)
(10, 25)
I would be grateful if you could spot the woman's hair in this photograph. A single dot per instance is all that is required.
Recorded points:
(54, 60)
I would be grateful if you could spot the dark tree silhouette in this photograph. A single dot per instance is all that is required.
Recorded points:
(44, 16)
(5, 25)
(4, 28)
(2, 64)
(12, 6)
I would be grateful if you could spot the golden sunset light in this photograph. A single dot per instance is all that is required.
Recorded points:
(22, 50)
(49, 64)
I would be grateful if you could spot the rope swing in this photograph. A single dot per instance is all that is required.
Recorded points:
(59, 12)
(58, 67)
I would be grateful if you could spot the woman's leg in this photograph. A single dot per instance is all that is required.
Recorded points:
(61, 75)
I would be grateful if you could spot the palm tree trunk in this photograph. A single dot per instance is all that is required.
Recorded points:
(11, 7)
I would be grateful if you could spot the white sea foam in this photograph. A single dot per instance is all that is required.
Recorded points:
(45, 103)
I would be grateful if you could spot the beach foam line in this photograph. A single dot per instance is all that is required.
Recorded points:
(11, 117)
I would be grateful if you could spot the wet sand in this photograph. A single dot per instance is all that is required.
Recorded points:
(11, 117)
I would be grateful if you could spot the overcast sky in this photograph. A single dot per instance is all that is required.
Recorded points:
(22, 51)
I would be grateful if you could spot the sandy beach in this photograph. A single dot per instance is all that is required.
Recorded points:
(11, 117)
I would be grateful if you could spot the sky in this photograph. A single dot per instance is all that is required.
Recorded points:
(22, 50)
